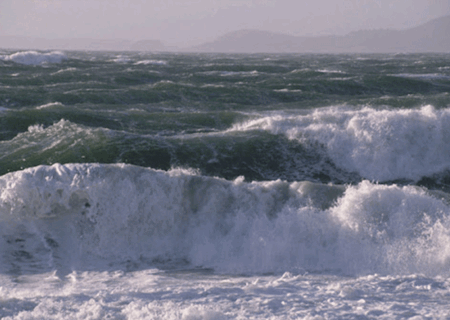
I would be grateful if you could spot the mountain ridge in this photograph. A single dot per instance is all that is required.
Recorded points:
(432, 36)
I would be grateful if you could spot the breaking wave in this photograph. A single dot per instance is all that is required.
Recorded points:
(91, 216)
(380, 145)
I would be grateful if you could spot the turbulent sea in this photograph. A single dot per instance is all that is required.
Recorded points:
(208, 186)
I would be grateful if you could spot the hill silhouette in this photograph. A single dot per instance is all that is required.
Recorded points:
(433, 36)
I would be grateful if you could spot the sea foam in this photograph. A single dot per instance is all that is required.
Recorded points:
(91, 216)
(151, 62)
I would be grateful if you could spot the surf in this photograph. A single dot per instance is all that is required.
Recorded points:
(93, 216)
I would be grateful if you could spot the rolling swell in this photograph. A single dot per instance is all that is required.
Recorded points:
(257, 156)
(336, 144)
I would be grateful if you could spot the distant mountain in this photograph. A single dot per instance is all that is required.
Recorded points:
(433, 36)
(251, 41)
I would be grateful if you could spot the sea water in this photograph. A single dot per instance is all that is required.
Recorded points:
(208, 186)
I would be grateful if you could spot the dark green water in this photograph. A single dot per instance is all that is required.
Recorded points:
(179, 110)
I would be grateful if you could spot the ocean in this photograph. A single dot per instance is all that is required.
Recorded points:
(224, 186)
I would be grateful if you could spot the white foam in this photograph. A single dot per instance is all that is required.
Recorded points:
(330, 71)
(64, 70)
(395, 230)
(380, 145)
(122, 59)
(301, 70)
(429, 76)
(287, 90)
(50, 105)
(151, 62)
(213, 86)
(150, 294)
(253, 73)
(35, 58)
(94, 216)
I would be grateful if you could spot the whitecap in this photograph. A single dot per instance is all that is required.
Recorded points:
(151, 62)
(426, 76)
(121, 59)
(35, 58)
(330, 71)
(239, 73)
(300, 70)
(208, 85)
(64, 70)
(287, 90)
(50, 105)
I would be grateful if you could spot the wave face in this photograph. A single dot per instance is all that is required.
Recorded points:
(96, 216)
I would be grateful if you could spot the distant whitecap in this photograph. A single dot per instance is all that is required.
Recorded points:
(35, 58)
(154, 62)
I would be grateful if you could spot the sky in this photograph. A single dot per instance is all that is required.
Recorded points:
(191, 22)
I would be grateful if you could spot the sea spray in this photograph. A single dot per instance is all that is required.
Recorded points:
(116, 213)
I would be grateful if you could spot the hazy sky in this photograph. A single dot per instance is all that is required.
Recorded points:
(178, 22)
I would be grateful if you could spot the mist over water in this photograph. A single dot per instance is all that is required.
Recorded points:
(213, 186)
